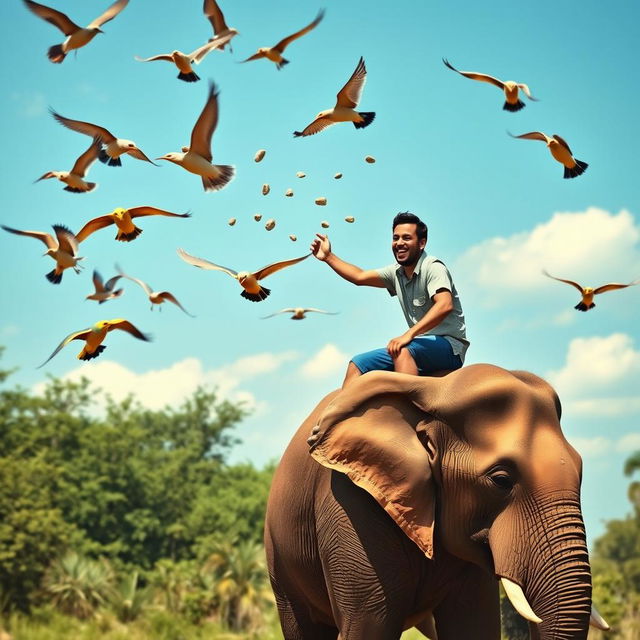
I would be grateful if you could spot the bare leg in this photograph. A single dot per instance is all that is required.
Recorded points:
(404, 363)
(352, 373)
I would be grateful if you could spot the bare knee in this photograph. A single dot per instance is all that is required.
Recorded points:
(404, 362)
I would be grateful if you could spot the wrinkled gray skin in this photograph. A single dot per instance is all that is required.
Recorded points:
(505, 487)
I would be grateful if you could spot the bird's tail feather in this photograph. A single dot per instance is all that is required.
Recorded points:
(56, 53)
(578, 170)
(257, 297)
(91, 185)
(84, 355)
(189, 77)
(215, 184)
(581, 306)
(282, 63)
(105, 158)
(515, 106)
(128, 237)
(367, 116)
(53, 277)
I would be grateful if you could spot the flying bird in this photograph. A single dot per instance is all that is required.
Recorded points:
(216, 18)
(112, 147)
(275, 53)
(197, 157)
(94, 335)
(559, 150)
(63, 249)
(104, 290)
(183, 61)
(249, 281)
(299, 313)
(76, 36)
(74, 179)
(123, 219)
(155, 297)
(588, 293)
(344, 111)
(510, 88)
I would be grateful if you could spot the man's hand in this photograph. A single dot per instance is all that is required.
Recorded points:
(395, 345)
(321, 247)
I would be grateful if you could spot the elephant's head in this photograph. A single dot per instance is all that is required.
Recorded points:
(476, 460)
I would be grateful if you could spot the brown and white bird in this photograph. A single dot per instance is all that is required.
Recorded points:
(63, 249)
(588, 293)
(299, 313)
(94, 335)
(510, 88)
(559, 150)
(183, 61)
(123, 219)
(112, 147)
(221, 31)
(76, 36)
(275, 53)
(104, 290)
(197, 157)
(74, 179)
(249, 281)
(155, 297)
(344, 110)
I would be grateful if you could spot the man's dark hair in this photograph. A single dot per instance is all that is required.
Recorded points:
(406, 217)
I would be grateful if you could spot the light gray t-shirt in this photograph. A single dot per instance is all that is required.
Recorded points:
(415, 297)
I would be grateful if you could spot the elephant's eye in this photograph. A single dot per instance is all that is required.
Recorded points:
(502, 480)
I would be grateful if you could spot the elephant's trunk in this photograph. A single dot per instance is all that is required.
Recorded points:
(551, 563)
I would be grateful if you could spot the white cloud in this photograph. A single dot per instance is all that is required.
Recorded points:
(629, 443)
(600, 446)
(171, 386)
(582, 246)
(31, 105)
(603, 407)
(328, 361)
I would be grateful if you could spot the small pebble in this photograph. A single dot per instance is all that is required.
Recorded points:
(265, 189)
(321, 202)
(324, 224)
(257, 217)
(289, 193)
(301, 174)
(293, 238)
(349, 219)
(369, 159)
(231, 222)
(259, 155)
(338, 176)
(270, 224)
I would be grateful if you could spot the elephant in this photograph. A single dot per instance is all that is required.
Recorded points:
(414, 496)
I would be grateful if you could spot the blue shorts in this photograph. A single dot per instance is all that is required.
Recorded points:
(431, 353)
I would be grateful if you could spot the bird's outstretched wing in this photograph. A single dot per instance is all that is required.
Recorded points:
(198, 55)
(613, 286)
(532, 135)
(98, 282)
(563, 142)
(205, 264)
(212, 11)
(76, 335)
(349, 95)
(66, 240)
(571, 282)
(526, 90)
(282, 45)
(125, 325)
(255, 56)
(109, 14)
(167, 295)
(473, 75)
(138, 212)
(330, 313)
(56, 18)
(288, 310)
(45, 237)
(87, 128)
(205, 125)
(315, 127)
(83, 163)
(276, 266)
(146, 288)
(160, 56)
(110, 284)
(94, 225)
(138, 154)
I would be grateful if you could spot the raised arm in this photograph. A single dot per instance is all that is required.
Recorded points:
(321, 249)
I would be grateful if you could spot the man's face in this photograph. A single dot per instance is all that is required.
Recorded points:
(405, 244)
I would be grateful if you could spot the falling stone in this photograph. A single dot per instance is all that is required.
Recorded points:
(369, 159)
(324, 224)
(338, 176)
(265, 189)
(289, 193)
(349, 219)
(270, 224)
(231, 222)
(293, 238)
(259, 155)
(257, 217)
(301, 174)
(321, 201)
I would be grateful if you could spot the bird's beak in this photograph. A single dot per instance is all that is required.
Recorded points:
(100, 31)
(162, 158)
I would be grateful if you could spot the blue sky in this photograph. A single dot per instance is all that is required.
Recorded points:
(498, 209)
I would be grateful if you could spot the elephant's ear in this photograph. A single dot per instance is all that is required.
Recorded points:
(368, 432)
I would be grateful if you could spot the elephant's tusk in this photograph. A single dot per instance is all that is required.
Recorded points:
(597, 620)
(519, 600)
